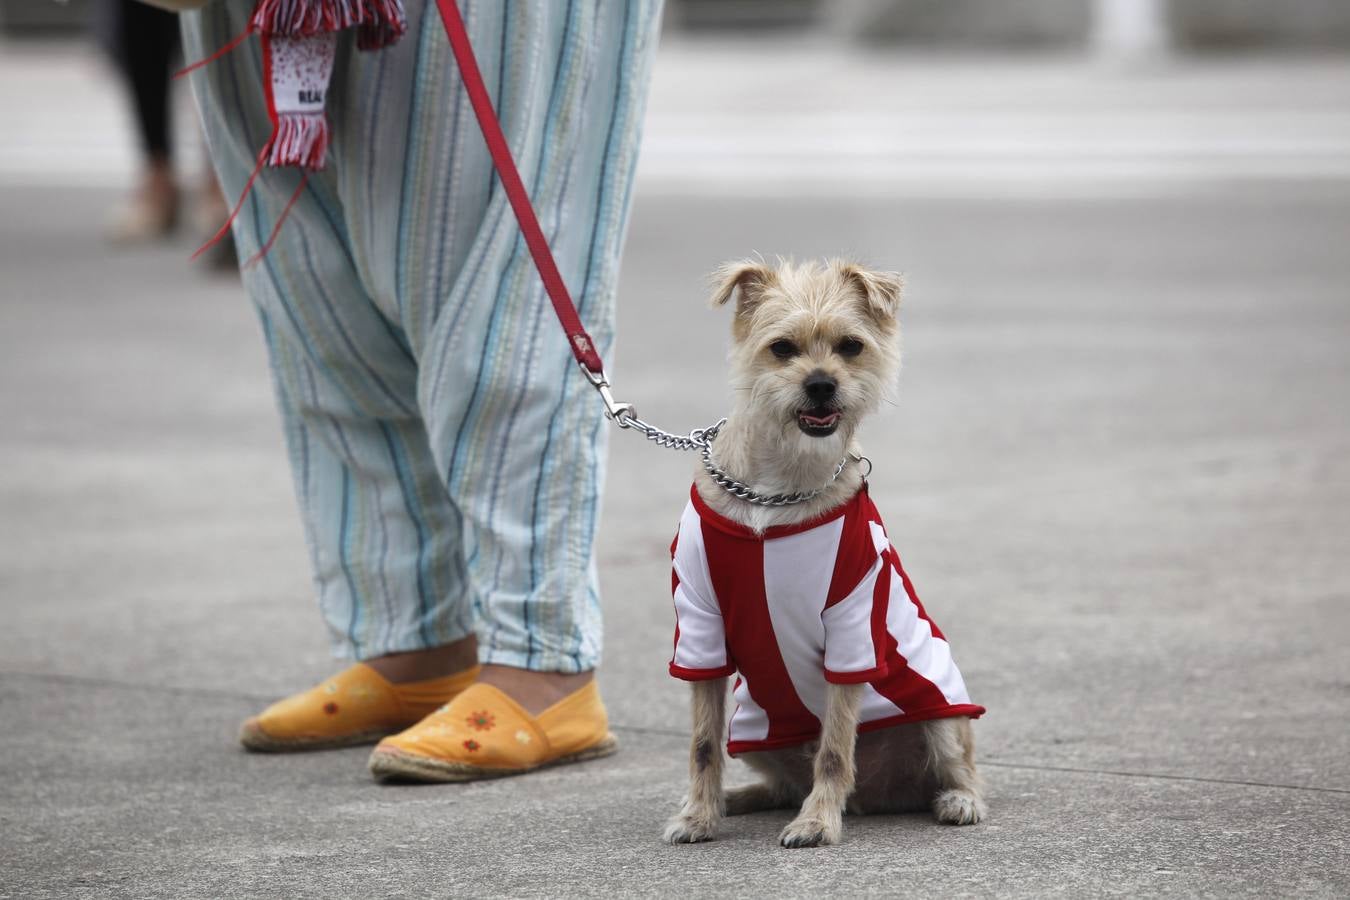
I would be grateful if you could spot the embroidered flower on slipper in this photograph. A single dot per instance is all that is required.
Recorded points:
(522, 737)
(481, 721)
(471, 745)
(331, 708)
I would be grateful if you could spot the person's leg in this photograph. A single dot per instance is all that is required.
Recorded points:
(383, 537)
(150, 40)
(147, 39)
(513, 432)
(381, 534)
(516, 431)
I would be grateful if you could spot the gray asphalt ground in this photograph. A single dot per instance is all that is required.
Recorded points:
(1118, 468)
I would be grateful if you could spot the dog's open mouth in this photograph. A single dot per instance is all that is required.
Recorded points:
(818, 422)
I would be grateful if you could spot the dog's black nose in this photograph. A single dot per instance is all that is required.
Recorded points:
(820, 387)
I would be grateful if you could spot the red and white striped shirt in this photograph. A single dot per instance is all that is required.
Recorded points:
(800, 605)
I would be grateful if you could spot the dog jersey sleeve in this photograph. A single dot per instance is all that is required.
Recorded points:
(855, 627)
(700, 635)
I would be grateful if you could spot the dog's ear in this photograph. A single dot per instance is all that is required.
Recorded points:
(746, 278)
(879, 290)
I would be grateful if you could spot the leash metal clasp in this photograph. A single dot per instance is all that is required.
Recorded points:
(621, 414)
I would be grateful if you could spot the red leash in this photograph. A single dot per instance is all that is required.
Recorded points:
(583, 348)
(581, 343)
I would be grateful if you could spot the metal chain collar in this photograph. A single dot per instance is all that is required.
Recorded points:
(625, 416)
(743, 491)
(698, 439)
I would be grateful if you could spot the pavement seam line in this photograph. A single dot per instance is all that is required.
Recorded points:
(670, 732)
(1163, 777)
(86, 680)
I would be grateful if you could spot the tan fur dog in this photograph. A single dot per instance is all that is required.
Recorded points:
(816, 350)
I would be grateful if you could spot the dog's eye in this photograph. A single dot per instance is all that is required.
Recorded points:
(849, 347)
(783, 349)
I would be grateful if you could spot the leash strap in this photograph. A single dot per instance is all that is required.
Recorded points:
(583, 348)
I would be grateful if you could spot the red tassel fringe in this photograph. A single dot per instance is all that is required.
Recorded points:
(234, 213)
(300, 139)
(276, 229)
(381, 22)
(303, 18)
(384, 25)
(234, 42)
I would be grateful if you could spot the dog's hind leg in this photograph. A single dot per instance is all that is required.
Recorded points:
(755, 798)
(776, 790)
(702, 810)
(951, 759)
(821, 818)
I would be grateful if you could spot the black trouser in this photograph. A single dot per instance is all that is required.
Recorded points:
(146, 42)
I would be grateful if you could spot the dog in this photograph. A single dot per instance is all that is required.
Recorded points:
(815, 351)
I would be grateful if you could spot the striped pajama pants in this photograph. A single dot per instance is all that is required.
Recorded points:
(447, 456)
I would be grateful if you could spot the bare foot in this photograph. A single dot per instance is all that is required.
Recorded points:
(434, 662)
(536, 691)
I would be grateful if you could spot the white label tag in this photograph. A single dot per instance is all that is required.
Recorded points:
(301, 68)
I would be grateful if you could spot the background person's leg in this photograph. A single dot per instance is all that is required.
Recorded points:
(144, 41)
(149, 45)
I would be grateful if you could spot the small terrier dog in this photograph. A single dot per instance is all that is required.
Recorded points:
(847, 696)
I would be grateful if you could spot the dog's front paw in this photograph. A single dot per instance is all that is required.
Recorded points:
(690, 826)
(811, 831)
(958, 808)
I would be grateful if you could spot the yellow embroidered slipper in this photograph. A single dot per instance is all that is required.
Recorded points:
(356, 706)
(483, 733)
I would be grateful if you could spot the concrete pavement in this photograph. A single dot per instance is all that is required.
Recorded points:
(812, 117)
(1117, 469)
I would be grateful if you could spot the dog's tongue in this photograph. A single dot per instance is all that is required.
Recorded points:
(827, 419)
